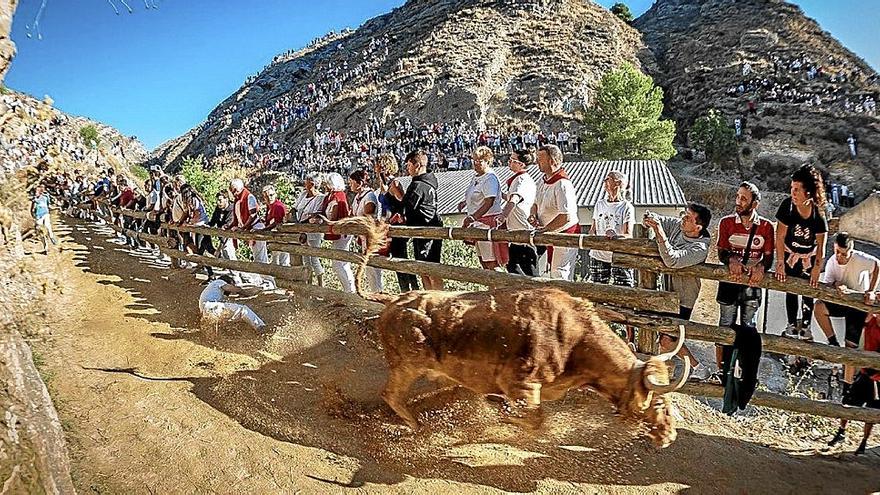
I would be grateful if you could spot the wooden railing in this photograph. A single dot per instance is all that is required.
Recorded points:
(654, 310)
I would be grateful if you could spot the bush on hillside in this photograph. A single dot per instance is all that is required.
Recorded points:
(90, 137)
(621, 10)
(624, 122)
(209, 181)
(712, 135)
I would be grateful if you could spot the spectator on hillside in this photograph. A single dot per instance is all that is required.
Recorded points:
(555, 210)
(308, 205)
(850, 272)
(520, 198)
(482, 201)
(420, 210)
(852, 143)
(390, 193)
(335, 207)
(745, 245)
(800, 244)
(366, 204)
(683, 242)
(40, 212)
(614, 218)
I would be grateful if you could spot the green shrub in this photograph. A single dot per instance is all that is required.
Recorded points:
(140, 172)
(89, 135)
(711, 134)
(624, 122)
(209, 181)
(622, 11)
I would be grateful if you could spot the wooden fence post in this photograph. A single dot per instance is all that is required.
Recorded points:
(647, 340)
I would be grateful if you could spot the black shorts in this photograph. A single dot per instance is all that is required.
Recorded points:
(427, 250)
(855, 320)
(861, 393)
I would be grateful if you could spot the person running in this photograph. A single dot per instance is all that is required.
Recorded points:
(366, 204)
(555, 210)
(335, 207)
(865, 388)
(683, 242)
(745, 245)
(849, 272)
(42, 220)
(216, 310)
(800, 244)
(520, 197)
(308, 205)
(614, 218)
(482, 201)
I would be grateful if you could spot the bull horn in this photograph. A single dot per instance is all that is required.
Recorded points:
(671, 354)
(660, 388)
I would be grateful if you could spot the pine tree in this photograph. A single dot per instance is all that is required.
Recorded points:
(622, 11)
(712, 134)
(624, 122)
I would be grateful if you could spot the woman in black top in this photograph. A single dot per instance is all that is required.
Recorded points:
(800, 243)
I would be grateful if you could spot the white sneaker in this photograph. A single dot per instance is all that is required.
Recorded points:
(700, 373)
(791, 331)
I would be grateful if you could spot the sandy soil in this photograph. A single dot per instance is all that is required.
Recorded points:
(152, 404)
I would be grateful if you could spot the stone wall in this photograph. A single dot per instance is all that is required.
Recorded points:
(861, 221)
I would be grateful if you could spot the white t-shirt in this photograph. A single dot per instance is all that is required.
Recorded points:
(612, 216)
(362, 199)
(855, 275)
(212, 293)
(480, 188)
(556, 199)
(306, 206)
(522, 186)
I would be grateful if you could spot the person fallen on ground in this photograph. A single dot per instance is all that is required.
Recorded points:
(42, 220)
(307, 206)
(683, 242)
(800, 244)
(521, 191)
(335, 207)
(849, 272)
(745, 245)
(216, 310)
(865, 388)
(555, 210)
(482, 202)
(366, 204)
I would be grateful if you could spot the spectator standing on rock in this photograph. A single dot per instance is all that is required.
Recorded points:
(850, 272)
(482, 201)
(800, 244)
(555, 210)
(682, 243)
(520, 197)
(40, 212)
(613, 218)
(745, 244)
(853, 144)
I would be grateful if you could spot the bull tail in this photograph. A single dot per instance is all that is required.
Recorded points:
(376, 236)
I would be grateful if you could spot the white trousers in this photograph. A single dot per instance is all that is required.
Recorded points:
(228, 251)
(44, 225)
(261, 255)
(562, 264)
(343, 268)
(374, 279)
(314, 263)
(219, 312)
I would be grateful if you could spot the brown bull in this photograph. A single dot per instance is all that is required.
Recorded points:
(528, 345)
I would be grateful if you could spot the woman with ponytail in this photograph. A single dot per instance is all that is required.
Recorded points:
(800, 244)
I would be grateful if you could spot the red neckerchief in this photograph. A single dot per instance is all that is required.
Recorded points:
(558, 176)
(510, 180)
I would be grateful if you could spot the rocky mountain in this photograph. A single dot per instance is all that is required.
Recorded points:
(810, 93)
(520, 62)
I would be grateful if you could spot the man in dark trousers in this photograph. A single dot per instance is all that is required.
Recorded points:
(420, 210)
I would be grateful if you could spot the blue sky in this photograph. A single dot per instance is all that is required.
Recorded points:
(155, 74)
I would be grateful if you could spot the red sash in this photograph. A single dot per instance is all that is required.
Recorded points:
(574, 229)
(341, 209)
(242, 212)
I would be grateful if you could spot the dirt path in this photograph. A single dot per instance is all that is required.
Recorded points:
(152, 404)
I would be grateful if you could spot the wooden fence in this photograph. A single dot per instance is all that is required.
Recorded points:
(646, 309)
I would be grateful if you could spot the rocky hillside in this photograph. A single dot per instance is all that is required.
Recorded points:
(810, 93)
(497, 62)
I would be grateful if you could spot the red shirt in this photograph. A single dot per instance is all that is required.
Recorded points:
(341, 200)
(275, 213)
(733, 237)
(872, 342)
(126, 197)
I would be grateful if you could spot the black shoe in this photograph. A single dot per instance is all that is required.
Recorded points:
(840, 436)
(862, 447)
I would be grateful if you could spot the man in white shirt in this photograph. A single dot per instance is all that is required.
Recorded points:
(215, 310)
(521, 191)
(555, 210)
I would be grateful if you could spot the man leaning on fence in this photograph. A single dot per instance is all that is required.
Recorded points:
(745, 245)
(683, 242)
